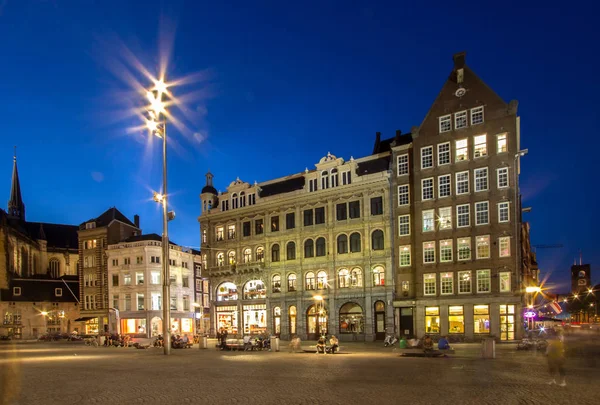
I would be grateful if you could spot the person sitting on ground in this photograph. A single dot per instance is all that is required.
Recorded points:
(428, 343)
(321, 344)
(247, 342)
(443, 343)
(402, 344)
(335, 343)
(185, 341)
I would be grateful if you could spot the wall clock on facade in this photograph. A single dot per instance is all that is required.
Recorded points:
(460, 92)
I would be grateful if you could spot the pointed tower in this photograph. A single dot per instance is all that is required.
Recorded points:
(16, 208)
(208, 194)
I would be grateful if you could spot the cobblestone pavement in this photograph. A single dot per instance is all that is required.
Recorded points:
(71, 373)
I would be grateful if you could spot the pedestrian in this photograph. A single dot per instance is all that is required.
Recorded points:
(556, 360)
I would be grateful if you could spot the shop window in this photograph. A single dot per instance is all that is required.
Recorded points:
(227, 319)
(456, 319)
(507, 322)
(227, 292)
(255, 319)
(277, 320)
(292, 319)
(481, 318)
(255, 289)
(432, 319)
(291, 282)
(276, 283)
(351, 318)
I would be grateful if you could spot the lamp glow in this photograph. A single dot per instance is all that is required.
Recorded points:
(533, 289)
(44, 313)
(318, 298)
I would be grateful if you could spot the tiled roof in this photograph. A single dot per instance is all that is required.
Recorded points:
(381, 164)
(108, 216)
(285, 186)
(42, 288)
(57, 235)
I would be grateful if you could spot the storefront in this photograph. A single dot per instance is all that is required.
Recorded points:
(227, 318)
(255, 289)
(351, 318)
(181, 326)
(507, 322)
(255, 319)
(227, 292)
(316, 321)
(277, 321)
(133, 326)
(91, 326)
(481, 319)
(432, 320)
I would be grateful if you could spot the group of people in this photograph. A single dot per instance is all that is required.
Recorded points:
(322, 347)
(117, 340)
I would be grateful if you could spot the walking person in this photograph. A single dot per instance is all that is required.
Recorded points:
(556, 360)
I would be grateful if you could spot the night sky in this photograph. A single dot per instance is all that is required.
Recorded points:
(281, 86)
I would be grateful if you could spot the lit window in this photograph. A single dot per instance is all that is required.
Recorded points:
(16, 291)
(462, 150)
(231, 257)
(139, 278)
(460, 120)
(155, 277)
(445, 218)
(356, 278)
(432, 319)
(427, 189)
(502, 177)
(444, 186)
(404, 225)
(403, 196)
(456, 319)
(504, 212)
(483, 247)
(482, 216)
(446, 250)
(447, 283)
(378, 276)
(507, 322)
(463, 216)
(276, 283)
(443, 153)
(462, 183)
(292, 282)
(247, 255)
(477, 115)
(260, 254)
(445, 123)
(480, 146)
(504, 277)
(403, 165)
(126, 280)
(464, 282)
(322, 280)
(220, 259)
(343, 278)
(309, 281)
(481, 318)
(481, 179)
(231, 232)
(484, 281)
(427, 157)
(428, 252)
(220, 233)
(428, 221)
(501, 145)
(429, 284)
(404, 256)
(504, 246)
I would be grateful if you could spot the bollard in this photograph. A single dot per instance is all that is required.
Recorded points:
(274, 343)
(203, 343)
(488, 348)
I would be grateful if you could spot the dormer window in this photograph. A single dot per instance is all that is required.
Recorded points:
(242, 199)
(324, 180)
(334, 178)
(251, 199)
(90, 225)
(234, 201)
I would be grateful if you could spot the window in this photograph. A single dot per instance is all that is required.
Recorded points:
(504, 246)
(403, 165)
(446, 123)
(115, 280)
(308, 217)
(445, 218)
(322, 280)
(356, 278)
(342, 244)
(291, 251)
(432, 319)
(477, 115)
(427, 157)
(140, 302)
(246, 228)
(312, 185)
(507, 322)
(115, 262)
(403, 195)
(501, 145)
(341, 212)
(324, 180)
(115, 302)
(462, 183)
(186, 302)
(483, 247)
(220, 233)
(334, 178)
(309, 281)
(502, 175)
(139, 259)
(260, 254)
(90, 244)
(483, 281)
(462, 150)
(464, 248)
(404, 256)
(481, 318)
(428, 221)
(127, 302)
(446, 250)
(480, 146)
(405, 288)
(234, 201)
(89, 301)
(225, 205)
(156, 302)
(258, 226)
(309, 248)
(429, 284)
(377, 240)
(464, 282)
(447, 283)
(172, 279)
(481, 179)
(428, 252)
(344, 278)
(204, 236)
(16, 291)
(404, 225)
(155, 259)
(247, 255)
(504, 277)
(443, 153)
(444, 186)
(290, 220)
(503, 212)
(321, 250)
(155, 277)
(463, 216)
(378, 276)
(127, 261)
(126, 279)
(346, 178)
(90, 225)
(456, 319)
(139, 278)
(355, 242)
(291, 282)
(377, 206)
(319, 215)
(276, 283)
(275, 253)
(231, 232)
(354, 209)
(482, 213)
(221, 259)
(460, 120)
(231, 257)
(427, 189)
(274, 224)
(173, 303)
(242, 199)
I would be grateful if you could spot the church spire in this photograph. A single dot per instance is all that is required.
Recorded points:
(16, 208)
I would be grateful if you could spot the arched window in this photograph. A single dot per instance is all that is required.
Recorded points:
(221, 259)
(242, 199)
(321, 280)
(54, 266)
(291, 251)
(378, 275)
(324, 180)
(227, 292)
(377, 240)
(260, 254)
(321, 247)
(343, 278)
(334, 178)
(342, 244)
(204, 236)
(276, 283)
(254, 289)
(356, 277)
(309, 281)
(247, 255)
(309, 248)
(277, 320)
(291, 279)
(351, 318)
(231, 257)
(355, 242)
(204, 262)
(275, 253)
(234, 201)
(292, 319)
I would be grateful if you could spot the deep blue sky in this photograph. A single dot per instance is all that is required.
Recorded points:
(288, 84)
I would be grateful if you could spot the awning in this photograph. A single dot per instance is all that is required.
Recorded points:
(85, 318)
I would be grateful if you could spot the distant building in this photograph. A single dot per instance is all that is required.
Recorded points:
(581, 278)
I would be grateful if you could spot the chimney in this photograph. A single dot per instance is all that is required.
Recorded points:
(377, 142)
(136, 220)
(398, 134)
(459, 60)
